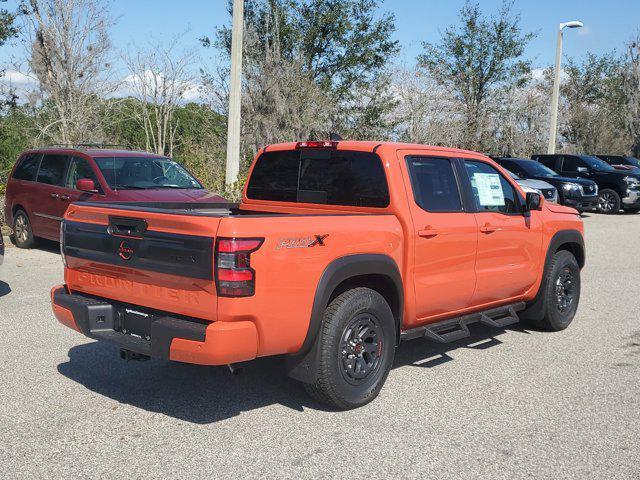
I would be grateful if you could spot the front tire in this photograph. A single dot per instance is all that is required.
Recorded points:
(609, 202)
(356, 349)
(22, 232)
(561, 292)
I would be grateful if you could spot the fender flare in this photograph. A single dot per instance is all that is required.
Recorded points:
(301, 365)
(535, 309)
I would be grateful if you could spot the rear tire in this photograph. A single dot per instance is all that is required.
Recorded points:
(356, 349)
(22, 236)
(609, 202)
(561, 292)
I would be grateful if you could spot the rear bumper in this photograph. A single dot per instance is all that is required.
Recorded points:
(166, 337)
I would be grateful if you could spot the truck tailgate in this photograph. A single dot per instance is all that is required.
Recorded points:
(142, 258)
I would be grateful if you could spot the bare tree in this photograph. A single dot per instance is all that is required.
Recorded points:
(282, 102)
(425, 111)
(161, 79)
(631, 86)
(68, 51)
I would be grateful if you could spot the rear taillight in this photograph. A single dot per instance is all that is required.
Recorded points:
(234, 275)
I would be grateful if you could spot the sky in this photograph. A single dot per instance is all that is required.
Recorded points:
(608, 24)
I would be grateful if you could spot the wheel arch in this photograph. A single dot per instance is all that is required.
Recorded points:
(567, 240)
(376, 271)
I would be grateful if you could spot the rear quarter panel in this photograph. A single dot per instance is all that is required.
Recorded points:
(288, 270)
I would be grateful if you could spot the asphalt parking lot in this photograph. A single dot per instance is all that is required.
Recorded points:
(514, 403)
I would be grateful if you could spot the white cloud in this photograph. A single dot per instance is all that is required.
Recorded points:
(130, 86)
(21, 82)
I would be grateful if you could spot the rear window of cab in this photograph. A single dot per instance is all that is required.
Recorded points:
(320, 176)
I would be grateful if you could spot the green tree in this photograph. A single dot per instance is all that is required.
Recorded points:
(476, 60)
(8, 28)
(343, 45)
(593, 101)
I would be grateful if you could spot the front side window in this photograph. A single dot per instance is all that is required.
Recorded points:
(571, 164)
(79, 169)
(491, 191)
(320, 176)
(28, 167)
(435, 188)
(52, 169)
(145, 173)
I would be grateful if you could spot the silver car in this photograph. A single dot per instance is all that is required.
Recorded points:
(545, 189)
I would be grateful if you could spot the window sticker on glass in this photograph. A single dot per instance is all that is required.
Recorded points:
(489, 189)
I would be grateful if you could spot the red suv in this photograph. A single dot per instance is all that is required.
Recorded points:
(45, 181)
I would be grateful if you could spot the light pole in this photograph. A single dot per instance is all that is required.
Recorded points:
(235, 88)
(556, 85)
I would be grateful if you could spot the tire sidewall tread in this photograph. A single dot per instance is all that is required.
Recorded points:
(553, 319)
(331, 388)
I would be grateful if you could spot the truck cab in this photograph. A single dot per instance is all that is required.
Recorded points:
(337, 252)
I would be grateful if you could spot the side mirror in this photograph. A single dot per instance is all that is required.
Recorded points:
(533, 202)
(86, 185)
(583, 170)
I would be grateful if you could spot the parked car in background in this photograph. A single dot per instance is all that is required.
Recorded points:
(548, 191)
(579, 193)
(617, 189)
(338, 251)
(621, 162)
(45, 181)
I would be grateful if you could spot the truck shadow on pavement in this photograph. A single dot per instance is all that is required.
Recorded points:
(203, 395)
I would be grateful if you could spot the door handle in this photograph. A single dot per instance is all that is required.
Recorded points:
(65, 197)
(488, 228)
(428, 232)
(55, 195)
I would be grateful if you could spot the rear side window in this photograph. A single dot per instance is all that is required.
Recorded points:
(435, 188)
(52, 169)
(549, 162)
(327, 177)
(28, 167)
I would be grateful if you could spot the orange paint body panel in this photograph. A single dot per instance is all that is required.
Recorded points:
(63, 315)
(449, 263)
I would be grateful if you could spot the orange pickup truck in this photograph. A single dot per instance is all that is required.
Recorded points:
(337, 252)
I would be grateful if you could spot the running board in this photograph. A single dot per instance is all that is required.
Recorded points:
(454, 329)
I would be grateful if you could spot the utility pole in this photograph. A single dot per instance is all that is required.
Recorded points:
(235, 89)
(555, 98)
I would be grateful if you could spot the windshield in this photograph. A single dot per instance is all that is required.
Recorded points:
(536, 169)
(513, 175)
(596, 163)
(145, 173)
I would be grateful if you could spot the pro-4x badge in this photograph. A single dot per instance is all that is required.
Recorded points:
(303, 242)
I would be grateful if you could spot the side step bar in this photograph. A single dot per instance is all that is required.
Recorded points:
(454, 329)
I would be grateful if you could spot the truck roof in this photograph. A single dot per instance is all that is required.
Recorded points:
(369, 146)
